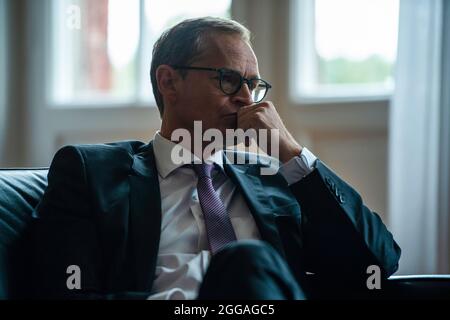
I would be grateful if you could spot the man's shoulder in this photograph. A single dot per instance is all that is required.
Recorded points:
(99, 156)
(130, 146)
(95, 150)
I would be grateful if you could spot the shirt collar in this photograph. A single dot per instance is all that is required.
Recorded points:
(163, 149)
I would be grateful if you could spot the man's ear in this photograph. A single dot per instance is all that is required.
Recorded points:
(167, 79)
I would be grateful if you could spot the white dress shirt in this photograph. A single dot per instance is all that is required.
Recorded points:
(183, 255)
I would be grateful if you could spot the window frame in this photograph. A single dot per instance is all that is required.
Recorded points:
(301, 25)
(136, 101)
(143, 94)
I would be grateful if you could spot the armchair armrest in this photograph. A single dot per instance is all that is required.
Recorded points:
(417, 287)
(413, 287)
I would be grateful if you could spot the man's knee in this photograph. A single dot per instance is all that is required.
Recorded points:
(246, 252)
(249, 269)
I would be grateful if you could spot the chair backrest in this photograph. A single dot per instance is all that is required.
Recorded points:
(20, 192)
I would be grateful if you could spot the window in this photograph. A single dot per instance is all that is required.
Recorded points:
(343, 49)
(101, 49)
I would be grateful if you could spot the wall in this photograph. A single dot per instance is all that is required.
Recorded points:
(12, 118)
(349, 137)
(3, 76)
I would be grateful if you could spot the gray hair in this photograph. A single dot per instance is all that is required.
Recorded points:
(182, 43)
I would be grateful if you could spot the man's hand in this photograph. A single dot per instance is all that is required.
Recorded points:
(263, 115)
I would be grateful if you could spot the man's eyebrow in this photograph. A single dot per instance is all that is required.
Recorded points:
(253, 76)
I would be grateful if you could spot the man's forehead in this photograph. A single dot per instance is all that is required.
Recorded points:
(229, 51)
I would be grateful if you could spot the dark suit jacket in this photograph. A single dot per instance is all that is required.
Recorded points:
(102, 212)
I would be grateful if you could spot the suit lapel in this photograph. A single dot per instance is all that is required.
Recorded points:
(246, 177)
(145, 216)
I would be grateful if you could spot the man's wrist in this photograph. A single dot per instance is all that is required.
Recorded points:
(308, 159)
(299, 167)
(292, 152)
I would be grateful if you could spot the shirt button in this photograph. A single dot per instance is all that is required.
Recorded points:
(195, 197)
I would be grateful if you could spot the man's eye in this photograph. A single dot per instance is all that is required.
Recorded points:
(231, 78)
(253, 84)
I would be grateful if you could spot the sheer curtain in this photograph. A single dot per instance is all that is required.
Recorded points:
(419, 138)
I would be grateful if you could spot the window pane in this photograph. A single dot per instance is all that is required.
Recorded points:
(163, 14)
(101, 59)
(356, 41)
(94, 50)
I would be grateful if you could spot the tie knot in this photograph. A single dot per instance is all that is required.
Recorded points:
(203, 169)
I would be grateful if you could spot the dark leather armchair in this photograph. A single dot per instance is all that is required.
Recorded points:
(20, 192)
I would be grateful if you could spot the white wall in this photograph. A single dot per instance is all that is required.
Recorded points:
(3, 78)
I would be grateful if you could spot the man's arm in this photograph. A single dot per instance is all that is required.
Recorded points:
(63, 231)
(341, 236)
(64, 234)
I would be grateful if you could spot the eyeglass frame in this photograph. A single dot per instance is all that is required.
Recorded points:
(220, 71)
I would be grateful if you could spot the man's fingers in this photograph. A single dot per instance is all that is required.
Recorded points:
(251, 111)
(251, 107)
(245, 121)
(250, 118)
(262, 107)
(246, 109)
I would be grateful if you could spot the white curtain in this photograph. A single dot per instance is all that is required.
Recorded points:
(418, 138)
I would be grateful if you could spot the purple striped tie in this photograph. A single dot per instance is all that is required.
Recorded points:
(218, 225)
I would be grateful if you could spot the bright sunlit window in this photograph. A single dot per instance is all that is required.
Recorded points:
(101, 49)
(344, 49)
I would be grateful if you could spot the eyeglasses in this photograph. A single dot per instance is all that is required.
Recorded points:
(231, 82)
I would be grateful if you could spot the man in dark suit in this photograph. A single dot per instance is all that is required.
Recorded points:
(134, 223)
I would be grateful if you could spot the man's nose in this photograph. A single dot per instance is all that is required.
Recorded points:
(243, 97)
